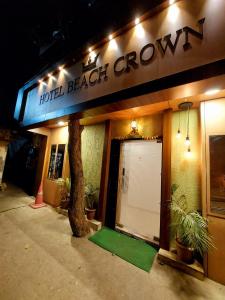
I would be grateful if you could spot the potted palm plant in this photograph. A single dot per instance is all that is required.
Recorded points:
(189, 228)
(91, 199)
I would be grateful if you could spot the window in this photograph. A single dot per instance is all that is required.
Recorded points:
(217, 173)
(56, 161)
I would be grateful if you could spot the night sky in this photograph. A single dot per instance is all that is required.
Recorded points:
(36, 33)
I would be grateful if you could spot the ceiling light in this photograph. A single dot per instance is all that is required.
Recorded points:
(39, 80)
(171, 2)
(49, 75)
(110, 37)
(61, 123)
(137, 21)
(212, 92)
(60, 68)
(90, 50)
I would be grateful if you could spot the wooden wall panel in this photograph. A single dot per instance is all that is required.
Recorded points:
(166, 182)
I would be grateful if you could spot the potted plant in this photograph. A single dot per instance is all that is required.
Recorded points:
(91, 199)
(189, 227)
(65, 194)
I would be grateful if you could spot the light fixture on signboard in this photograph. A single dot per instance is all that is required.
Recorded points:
(137, 21)
(50, 76)
(41, 82)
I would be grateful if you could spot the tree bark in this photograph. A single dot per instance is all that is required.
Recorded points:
(76, 214)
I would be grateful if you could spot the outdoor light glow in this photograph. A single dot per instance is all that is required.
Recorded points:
(110, 37)
(133, 125)
(41, 82)
(62, 70)
(139, 31)
(171, 2)
(212, 92)
(173, 13)
(113, 44)
(137, 21)
(92, 55)
(90, 50)
(187, 141)
(50, 76)
(60, 123)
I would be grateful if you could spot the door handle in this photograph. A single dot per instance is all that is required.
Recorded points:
(124, 181)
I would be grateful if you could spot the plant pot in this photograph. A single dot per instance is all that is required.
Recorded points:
(184, 253)
(65, 203)
(90, 213)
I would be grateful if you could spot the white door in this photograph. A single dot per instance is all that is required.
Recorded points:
(139, 190)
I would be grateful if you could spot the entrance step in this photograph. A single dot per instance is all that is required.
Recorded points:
(95, 225)
(153, 242)
(170, 258)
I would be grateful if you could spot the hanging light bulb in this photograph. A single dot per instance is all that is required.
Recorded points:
(188, 153)
(187, 141)
(178, 131)
(186, 106)
(178, 134)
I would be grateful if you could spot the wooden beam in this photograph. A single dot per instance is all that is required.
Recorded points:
(104, 173)
(166, 181)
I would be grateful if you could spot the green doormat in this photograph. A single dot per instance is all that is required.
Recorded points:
(134, 251)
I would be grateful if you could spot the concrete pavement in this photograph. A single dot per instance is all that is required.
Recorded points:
(39, 259)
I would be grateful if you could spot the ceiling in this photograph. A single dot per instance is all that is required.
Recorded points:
(153, 103)
(36, 33)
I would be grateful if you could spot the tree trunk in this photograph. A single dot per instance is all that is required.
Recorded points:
(76, 214)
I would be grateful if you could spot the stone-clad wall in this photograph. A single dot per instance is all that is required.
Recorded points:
(92, 151)
(185, 167)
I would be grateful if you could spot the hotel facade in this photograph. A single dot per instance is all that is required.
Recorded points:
(151, 98)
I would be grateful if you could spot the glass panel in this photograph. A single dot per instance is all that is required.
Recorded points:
(59, 160)
(52, 162)
(217, 173)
